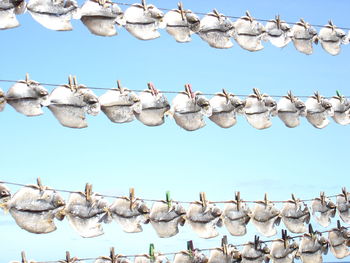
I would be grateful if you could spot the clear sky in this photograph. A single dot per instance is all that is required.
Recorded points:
(113, 157)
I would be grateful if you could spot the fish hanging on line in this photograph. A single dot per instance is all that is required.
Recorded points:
(289, 109)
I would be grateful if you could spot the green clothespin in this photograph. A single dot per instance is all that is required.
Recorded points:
(168, 200)
(190, 248)
(151, 253)
(339, 95)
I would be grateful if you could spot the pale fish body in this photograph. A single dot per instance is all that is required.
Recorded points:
(264, 217)
(69, 106)
(323, 211)
(166, 220)
(338, 239)
(283, 253)
(186, 257)
(120, 105)
(86, 215)
(28, 97)
(303, 37)
(289, 109)
(34, 210)
(108, 260)
(189, 110)
(295, 216)
(216, 30)
(258, 110)
(311, 249)
(143, 21)
(278, 32)
(52, 14)
(204, 219)
(181, 27)
(154, 106)
(341, 108)
(252, 254)
(318, 109)
(147, 259)
(101, 18)
(225, 107)
(2, 100)
(249, 33)
(231, 256)
(331, 38)
(129, 216)
(8, 11)
(343, 206)
(236, 217)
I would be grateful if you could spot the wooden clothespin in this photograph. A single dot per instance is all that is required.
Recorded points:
(322, 198)
(256, 242)
(284, 238)
(224, 245)
(203, 199)
(182, 11)
(144, 5)
(345, 193)
(88, 191)
(131, 197)
(238, 200)
(266, 201)
(23, 257)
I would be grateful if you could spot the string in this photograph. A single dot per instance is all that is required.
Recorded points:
(175, 201)
(164, 92)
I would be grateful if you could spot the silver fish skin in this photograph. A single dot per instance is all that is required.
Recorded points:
(8, 11)
(278, 32)
(70, 106)
(195, 257)
(34, 209)
(154, 107)
(166, 220)
(86, 216)
(338, 239)
(181, 28)
(28, 97)
(236, 218)
(218, 255)
(225, 107)
(343, 207)
(130, 219)
(147, 259)
(204, 219)
(189, 112)
(249, 33)
(252, 254)
(264, 217)
(53, 14)
(258, 110)
(101, 18)
(318, 110)
(143, 21)
(2, 100)
(311, 248)
(216, 30)
(295, 216)
(341, 108)
(282, 252)
(303, 37)
(120, 105)
(331, 38)
(289, 109)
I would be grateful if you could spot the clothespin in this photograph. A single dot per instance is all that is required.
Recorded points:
(278, 21)
(70, 83)
(153, 90)
(144, 5)
(203, 199)
(284, 237)
(120, 88)
(217, 14)
(256, 242)
(311, 231)
(226, 95)
(151, 252)
(112, 255)
(68, 259)
(224, 245)
(250, 18)
(345, 194)
(182, 11)
(257, 93)
(294, 200)
(238, 200)
(338, 225)
(132, 197)
(190, 248)
(322, 198)
(23, 257)
(88, 191)
(290, 96)
(266, 201)
(168, 200)
(41, 187)
(189, 91)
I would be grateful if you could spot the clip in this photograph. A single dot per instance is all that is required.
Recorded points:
(88, 191)
(143, 3)
(23, 257)
(284, 238)
(151, 252)
(181, 9)
(40, 185)
(153, 90)
(345, 194)
(256, 242)
(132, 197)
(238, 200)
(189, 91)
(224, 245)
(266, 201)
(168, 200)
(257, 93)
(203, 199)
(322, 198)
(190, 248)
(68, 259)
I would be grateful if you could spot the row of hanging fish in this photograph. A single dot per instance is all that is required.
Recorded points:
(143, 21)
(310, 249)
(70, 103)
(34, 208)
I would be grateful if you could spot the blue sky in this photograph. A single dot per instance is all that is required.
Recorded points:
(113, 157)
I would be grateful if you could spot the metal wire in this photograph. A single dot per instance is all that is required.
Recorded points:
(175, 201)
(164, 92)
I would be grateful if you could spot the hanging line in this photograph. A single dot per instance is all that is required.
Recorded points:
(164, 92)
(155, 200)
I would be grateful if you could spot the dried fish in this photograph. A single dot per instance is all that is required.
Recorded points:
(289, 109)
(318, 109)
(304, 35)
(331, 38)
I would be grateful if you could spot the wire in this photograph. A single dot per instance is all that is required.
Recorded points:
(156, 200)
(164, 92)
(234, 17)
(205, 249)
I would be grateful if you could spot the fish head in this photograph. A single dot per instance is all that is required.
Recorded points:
(90, 100)
(141, 207)
(5, 193)
(57, 200)
(179, 209)
(193, 21)
(204, 104)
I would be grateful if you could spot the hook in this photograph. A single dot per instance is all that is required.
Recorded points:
(224, 244)
(168, 200)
